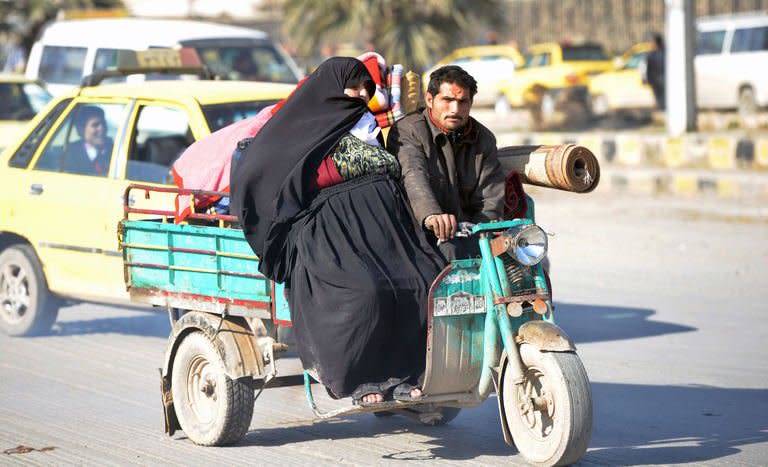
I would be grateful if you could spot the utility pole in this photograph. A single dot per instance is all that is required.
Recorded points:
(680, 82)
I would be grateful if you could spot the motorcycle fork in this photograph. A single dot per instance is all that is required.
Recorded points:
(497, 322)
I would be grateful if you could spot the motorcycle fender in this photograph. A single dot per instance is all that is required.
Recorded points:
(500, 400)
(544, 336)
(234, 342)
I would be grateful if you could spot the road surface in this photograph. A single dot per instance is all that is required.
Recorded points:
(665, 299)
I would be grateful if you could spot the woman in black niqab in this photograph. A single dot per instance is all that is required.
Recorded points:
(355, 262)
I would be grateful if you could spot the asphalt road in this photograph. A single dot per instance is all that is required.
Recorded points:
(666, 300)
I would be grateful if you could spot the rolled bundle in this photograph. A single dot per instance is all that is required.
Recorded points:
(412, 87)
(564, 166)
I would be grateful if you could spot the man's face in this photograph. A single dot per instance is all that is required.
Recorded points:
(450, 107)
(95, 131)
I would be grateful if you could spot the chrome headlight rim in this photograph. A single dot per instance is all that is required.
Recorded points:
(527, 244)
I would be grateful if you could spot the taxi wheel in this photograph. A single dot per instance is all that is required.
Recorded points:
(212, 408)
(26, 306)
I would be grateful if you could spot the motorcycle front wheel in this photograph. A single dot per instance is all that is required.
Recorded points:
(549, 415)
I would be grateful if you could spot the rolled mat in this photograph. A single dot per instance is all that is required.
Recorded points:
(566, 167)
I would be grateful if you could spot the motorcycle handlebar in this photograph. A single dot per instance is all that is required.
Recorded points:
(464, 230)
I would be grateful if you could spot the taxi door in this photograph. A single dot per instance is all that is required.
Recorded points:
(156, 134)
(64, 191)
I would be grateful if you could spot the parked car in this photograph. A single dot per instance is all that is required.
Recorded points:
(67, 51)
(553, 74)
(58, 236)
(490, 65)
(731, 64)
(622, 89)
(20, 100)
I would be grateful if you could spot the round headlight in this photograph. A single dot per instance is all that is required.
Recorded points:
(529, 245)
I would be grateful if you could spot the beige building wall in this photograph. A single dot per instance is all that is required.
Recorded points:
(617, 24)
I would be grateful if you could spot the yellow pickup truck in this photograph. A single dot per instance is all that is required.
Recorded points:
(553, 74)
(622, 90)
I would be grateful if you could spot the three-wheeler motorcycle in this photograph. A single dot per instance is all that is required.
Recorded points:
(490, 329)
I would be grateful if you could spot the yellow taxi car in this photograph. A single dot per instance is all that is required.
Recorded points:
(490, 65)
(554, 73)
(20, 100)
(622, 89)
(58, 239)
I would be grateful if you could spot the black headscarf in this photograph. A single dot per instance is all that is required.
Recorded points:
(271, 184)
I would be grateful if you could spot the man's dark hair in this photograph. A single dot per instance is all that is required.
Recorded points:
(451, 74)
(86, 113)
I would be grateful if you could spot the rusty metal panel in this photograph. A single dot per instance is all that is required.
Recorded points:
(545, 336)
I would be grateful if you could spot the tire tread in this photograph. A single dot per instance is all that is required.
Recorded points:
(46, 304)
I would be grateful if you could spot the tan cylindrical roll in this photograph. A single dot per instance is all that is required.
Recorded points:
(564, 166)
(411, 92)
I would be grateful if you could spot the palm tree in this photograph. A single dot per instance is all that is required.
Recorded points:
(411, 32)
(25, 18)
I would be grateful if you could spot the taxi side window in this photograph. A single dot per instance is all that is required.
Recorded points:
(84, 141)
(537, 60)
(162, 134)
(26, 151)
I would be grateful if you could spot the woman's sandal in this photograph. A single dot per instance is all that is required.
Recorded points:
(365, 390)
(403, 391)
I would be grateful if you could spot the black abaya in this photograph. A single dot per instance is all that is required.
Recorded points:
(359, 286)
(356, 263)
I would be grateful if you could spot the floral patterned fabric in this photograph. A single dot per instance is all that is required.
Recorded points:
(354, 158)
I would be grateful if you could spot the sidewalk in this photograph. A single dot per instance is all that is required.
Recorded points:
(729, 164)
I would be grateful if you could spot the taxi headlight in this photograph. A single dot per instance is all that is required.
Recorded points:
(528, 245)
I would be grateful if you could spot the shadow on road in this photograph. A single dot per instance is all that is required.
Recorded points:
(116, 320)
(644, 424)
(595, 323)
(475, 432)
(634, 424)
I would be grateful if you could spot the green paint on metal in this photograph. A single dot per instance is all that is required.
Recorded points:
(308, 391)
(192, 259)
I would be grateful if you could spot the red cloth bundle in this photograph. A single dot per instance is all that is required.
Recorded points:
(205, 165)
(515, 203)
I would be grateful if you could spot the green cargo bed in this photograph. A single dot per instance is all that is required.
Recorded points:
(194, 267)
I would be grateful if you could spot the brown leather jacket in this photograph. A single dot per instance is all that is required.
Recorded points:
(464, 179)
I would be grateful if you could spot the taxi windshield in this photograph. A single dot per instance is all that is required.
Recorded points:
(583, 53)
(220, 115)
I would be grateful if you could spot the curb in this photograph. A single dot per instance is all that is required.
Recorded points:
(689, 183)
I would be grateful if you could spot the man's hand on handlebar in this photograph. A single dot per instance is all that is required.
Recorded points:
(443, 225)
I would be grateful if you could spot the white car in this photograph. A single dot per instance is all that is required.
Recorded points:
(68, 51)
(731, 64)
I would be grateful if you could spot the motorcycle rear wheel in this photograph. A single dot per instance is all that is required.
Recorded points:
(550, 415)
